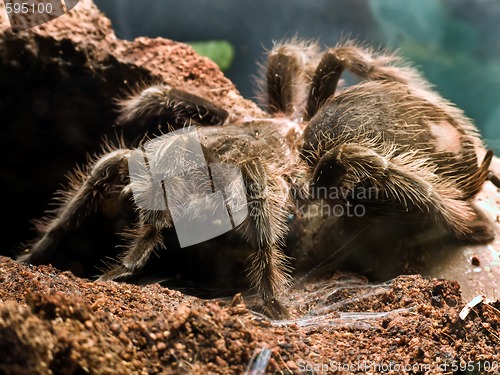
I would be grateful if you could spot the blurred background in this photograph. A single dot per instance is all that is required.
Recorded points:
(456, 43)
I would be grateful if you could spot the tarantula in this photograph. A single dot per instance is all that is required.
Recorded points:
(391, 132)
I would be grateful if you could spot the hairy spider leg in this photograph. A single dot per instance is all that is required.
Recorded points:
(143, 241)
(159, 100)
(414, 186)
(161, 106)
(87, 193)
(362, 62)
(286, 77)
(323, 83)
(473, 183)
(265, 230)
(494, 179)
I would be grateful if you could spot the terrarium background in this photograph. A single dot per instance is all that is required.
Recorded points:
(455, 42)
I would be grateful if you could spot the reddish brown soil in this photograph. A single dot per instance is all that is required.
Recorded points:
(53, 322)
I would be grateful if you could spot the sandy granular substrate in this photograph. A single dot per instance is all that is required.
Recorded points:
(54, 322)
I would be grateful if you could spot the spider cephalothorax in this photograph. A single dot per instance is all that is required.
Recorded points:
(390, 132)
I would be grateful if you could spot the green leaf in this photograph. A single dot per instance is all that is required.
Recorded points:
(219, 51)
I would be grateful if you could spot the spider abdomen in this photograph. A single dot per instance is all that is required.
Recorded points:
(389, 117)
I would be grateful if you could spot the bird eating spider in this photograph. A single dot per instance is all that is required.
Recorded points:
(391, 132)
